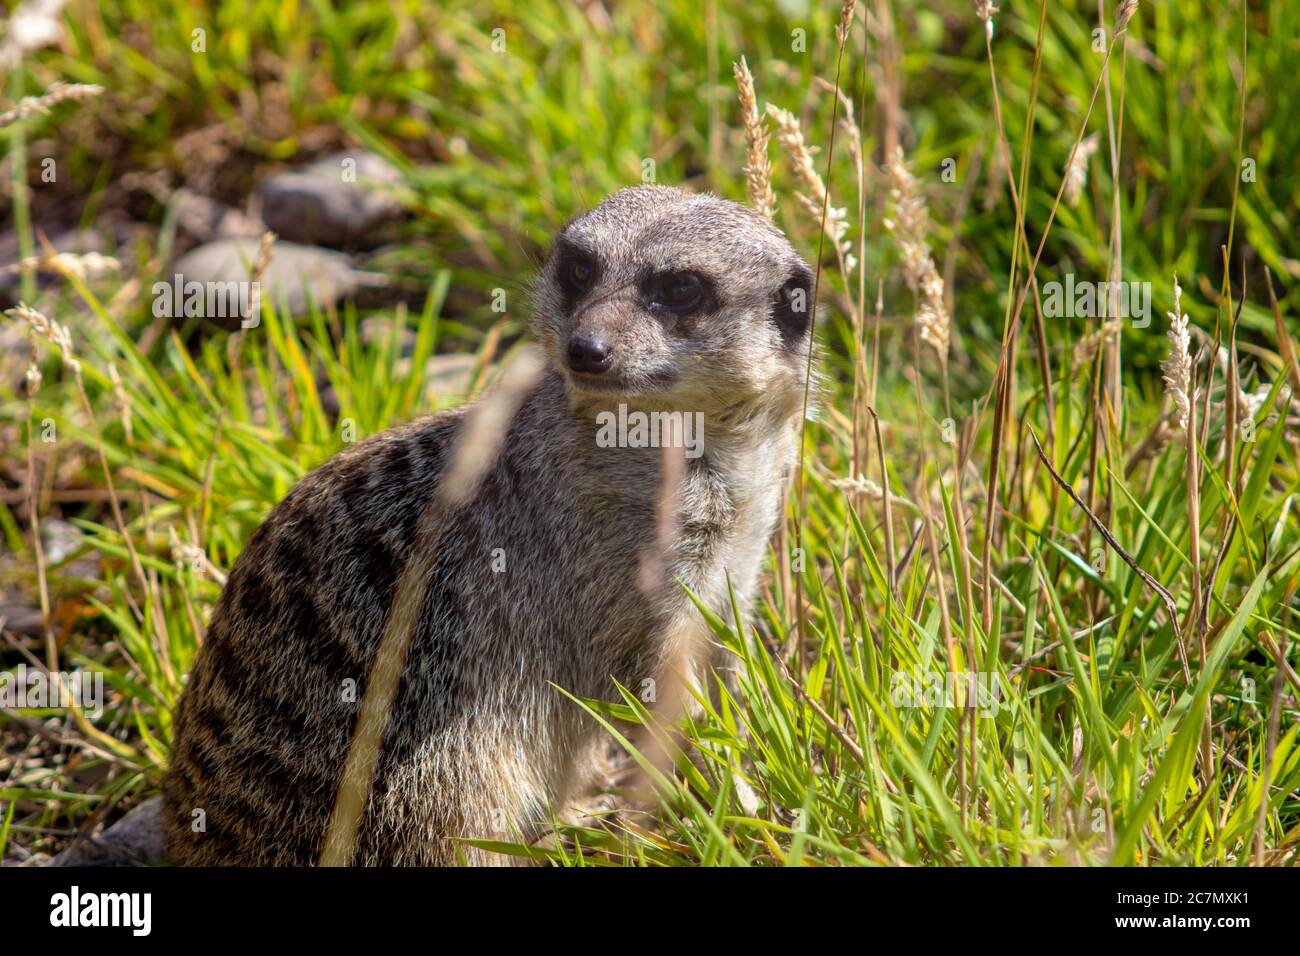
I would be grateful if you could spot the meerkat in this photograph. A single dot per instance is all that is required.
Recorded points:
(656, 300)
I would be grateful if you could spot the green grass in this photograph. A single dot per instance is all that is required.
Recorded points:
(1093, 753)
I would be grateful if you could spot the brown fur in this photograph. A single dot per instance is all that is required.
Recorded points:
(479, 744)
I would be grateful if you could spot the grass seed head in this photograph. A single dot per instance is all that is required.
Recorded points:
(1125, 13)
(1076, 174)
(846, 20)
(758, 170)
(1178, 367)
(46, 328)
(57, 93)
(789, 134)
(910, 224)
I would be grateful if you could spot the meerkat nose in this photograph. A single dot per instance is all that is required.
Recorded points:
(590, 355)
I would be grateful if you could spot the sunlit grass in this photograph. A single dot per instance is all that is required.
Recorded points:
(1093, 753)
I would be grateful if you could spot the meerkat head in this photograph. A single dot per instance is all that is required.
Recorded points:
(670, 297)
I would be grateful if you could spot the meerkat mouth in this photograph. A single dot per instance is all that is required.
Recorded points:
(611, 383)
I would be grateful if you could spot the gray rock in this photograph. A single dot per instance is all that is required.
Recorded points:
(447, 378)
(206, 219)
(295, 275)
(22, 619)
(60, 538)
(19, 856)
(135, 840)
(15, 855)
(336, 201)
(376, 329)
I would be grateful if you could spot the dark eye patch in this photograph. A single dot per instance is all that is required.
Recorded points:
(792, 305)
(679, 293)
(576, 270)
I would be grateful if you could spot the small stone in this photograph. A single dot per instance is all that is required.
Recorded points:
(15, 855)
(60, 540)
(377, 329)
(296, 274)
(22, 619)
(206, 219)
(448, 377)
(337, 201)
(135, 840)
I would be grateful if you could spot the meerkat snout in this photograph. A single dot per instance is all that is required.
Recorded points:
(590, 356)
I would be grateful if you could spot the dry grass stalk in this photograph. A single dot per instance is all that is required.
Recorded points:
(758, 170)
(1115, 133)
(848, 126)
(1161, 434)
(848, 123)
(122, 402)
(40, 105)
(655, 559)
(257, 268)
(1085, 350)
(950, 644)
(890, 555)
(862, 485)
(33, 383)
(1180, 386)
(263, 259)
(856, 309)
(1284, 344)
(886, 74)
(51, 331)
(80, 266)
(1247, 404)
(485, 430)
(1001, 389)
(910, 224)
(1013, 315)
(834, 227)
(1269, 771)
(685, 671)
(58, 335)
(1167, 599)
(474, 453)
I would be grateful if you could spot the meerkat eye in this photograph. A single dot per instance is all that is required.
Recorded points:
(577, 272)
(681, 292)
(792, 305)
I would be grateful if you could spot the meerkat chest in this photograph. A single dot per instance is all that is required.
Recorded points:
(728, 513)
(593, 574)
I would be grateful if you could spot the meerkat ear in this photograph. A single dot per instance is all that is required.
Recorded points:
(792, 305)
